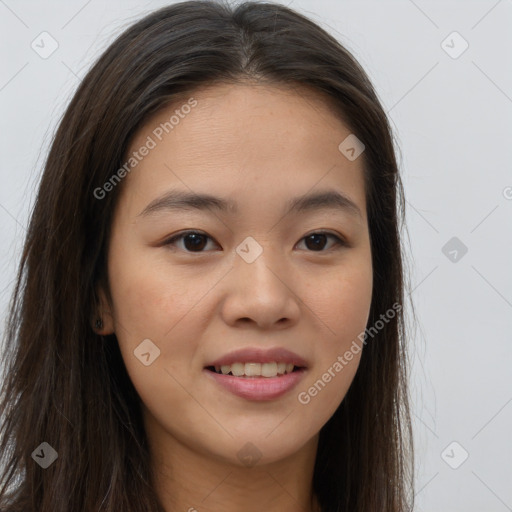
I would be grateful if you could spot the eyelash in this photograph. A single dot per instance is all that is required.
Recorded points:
(340, 243)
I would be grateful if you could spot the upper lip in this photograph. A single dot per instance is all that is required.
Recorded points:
(260, 355)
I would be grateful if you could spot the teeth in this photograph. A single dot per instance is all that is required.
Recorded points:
(255, 369)
(269, 369)
(252, 369)
(237, 369)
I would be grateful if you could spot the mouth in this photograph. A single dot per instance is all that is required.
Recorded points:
(256, 388)
(257, 374)
(256, 370)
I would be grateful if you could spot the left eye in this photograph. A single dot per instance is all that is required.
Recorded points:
(194, 241)
(319, 238)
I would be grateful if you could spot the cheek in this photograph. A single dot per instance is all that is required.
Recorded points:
(150, 299)
(342, 302)
(152, 303)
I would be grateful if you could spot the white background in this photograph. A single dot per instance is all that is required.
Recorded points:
(453, 121)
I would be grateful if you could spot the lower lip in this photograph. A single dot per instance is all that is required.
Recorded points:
(258, 388)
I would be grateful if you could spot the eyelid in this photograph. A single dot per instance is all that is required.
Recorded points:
(181, 234)
(340, 240)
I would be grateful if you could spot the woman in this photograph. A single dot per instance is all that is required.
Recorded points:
(258, 369)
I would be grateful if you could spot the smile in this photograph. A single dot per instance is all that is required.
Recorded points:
(268, 370)
(257, 387)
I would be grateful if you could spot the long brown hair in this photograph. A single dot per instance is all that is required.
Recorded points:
(67, 386)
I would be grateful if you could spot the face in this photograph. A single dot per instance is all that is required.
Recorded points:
(193, 282)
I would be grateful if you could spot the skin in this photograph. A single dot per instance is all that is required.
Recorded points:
(258, 145)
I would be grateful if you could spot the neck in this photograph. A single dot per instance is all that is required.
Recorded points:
(190, 481)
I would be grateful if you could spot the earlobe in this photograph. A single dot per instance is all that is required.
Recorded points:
(103, 324)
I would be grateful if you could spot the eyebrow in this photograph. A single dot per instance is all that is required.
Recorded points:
(176, 200)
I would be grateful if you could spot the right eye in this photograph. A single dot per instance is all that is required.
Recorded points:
(194, 241)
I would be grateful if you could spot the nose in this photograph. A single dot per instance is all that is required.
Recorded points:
(261, 293)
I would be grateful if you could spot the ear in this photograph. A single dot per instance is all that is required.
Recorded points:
(103, 312)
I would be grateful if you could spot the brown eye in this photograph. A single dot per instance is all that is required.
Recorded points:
(196, 241)
(193, 241)
(317, 241)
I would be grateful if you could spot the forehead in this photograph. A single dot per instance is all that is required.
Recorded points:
(261, 139)
(243, 113)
